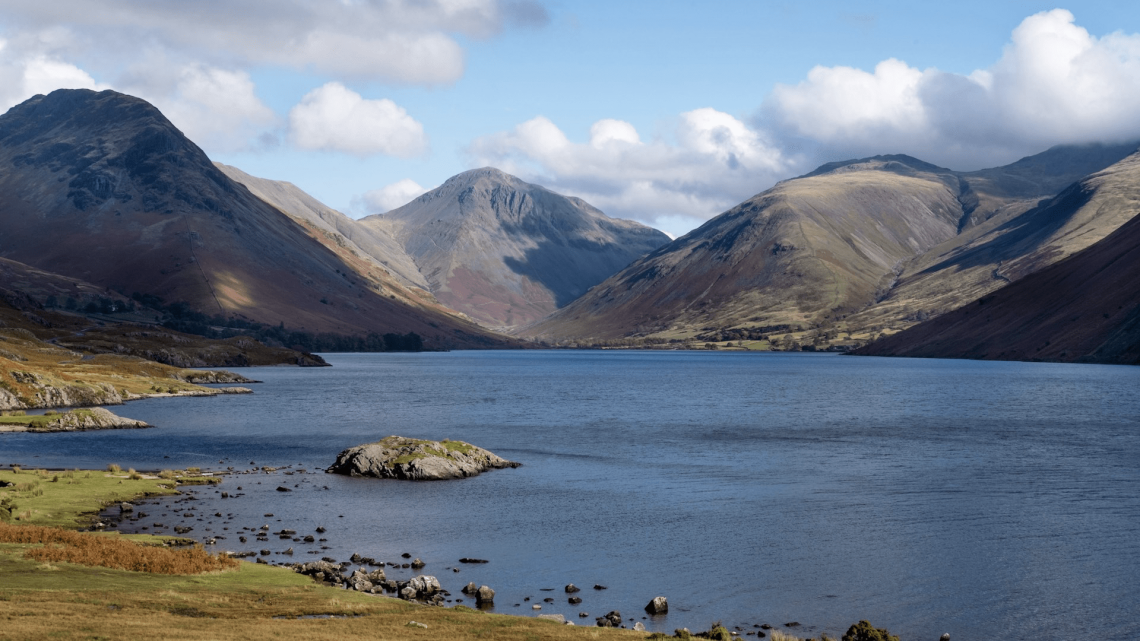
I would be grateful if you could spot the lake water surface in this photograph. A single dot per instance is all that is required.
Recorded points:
(987, 500)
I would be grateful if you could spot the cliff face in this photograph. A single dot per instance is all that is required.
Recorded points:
(506, 252)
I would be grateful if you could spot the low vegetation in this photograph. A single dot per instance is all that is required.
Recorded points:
(111, 551)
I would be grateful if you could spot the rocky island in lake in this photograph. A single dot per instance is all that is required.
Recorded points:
(397, 457)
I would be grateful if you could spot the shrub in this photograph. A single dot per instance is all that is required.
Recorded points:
(114, 468)
(133, 475)
(16, 469)
(166, 474)
(193, 470)
(864, 631)
(111, 552)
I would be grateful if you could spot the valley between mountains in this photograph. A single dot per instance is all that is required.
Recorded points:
(118, 235)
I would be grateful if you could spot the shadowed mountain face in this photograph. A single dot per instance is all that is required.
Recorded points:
(866, 245)
(101, 187)
(1084, 308)
(506, 252)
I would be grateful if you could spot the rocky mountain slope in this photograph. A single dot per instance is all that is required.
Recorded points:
(1083, 308)
(857, 246)
(506, 252)
(101, 187)
(371, 243)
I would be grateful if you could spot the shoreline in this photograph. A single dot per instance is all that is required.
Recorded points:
(292, 550)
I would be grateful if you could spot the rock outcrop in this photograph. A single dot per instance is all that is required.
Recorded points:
(397, 457)
(95, 418)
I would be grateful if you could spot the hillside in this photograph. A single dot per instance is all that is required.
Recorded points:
(855, 247)
(1083, 308)
(101, 187)
(505, 252)
(372, 244)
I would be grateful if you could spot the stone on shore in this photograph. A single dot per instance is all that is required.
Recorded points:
(397, 457)
(611, 620)
(657, 606)
(484, 595)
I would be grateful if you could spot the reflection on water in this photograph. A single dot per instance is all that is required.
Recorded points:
(995, 500)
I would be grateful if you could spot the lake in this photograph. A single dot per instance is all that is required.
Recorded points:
(988, 500)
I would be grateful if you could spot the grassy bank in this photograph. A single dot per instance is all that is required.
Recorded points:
(61, 600)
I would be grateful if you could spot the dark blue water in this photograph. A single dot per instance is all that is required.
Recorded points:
(988, 500)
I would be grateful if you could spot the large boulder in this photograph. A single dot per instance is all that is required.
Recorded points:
(657, 606)
(484, 595)
(397, 457)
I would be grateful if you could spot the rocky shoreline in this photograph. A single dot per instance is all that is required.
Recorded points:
(78, 420)
(189, 515)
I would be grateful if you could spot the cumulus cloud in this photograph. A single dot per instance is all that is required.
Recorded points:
(196, 55)
(409, 41)
(24, 74)
(216, 108)
(335, 118)
(713, 161)
(388, 197)
(1054, 83)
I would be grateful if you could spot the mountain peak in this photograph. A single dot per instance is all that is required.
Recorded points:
(506, 252)
(895, 163)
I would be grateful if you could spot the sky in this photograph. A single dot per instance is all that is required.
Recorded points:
(661, 111)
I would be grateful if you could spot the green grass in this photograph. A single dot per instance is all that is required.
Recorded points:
(73, 504)
(457, 446)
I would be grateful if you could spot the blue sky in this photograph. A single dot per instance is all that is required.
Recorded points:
(666, 112)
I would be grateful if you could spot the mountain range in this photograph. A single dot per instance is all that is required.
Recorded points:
(102, 187)
(851, 251)
(109, 209)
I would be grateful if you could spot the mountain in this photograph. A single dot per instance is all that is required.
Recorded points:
(825, 253)
(1006, 248)
(373, 244)
(1083, 308)
(103, 188)
(505, 252)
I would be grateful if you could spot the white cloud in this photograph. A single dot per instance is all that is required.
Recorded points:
(409, 41)
(1054, 83)
(24, 74)
(335, 118)
(715, 161)
(216, 108)
(192, 59)
(388, 197)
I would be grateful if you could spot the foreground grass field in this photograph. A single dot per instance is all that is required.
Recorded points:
(60, 600)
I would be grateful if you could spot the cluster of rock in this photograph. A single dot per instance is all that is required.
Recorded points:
(397, 457)
(423, 588)
(483, 594)
(611, 620)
